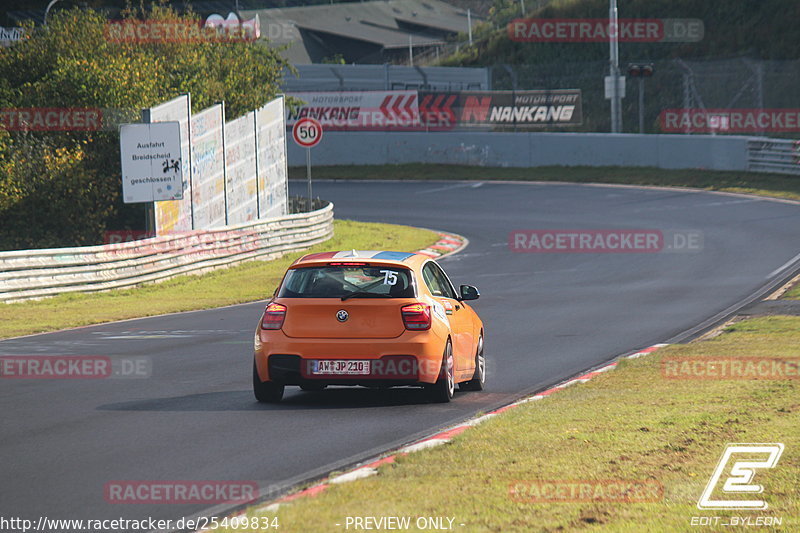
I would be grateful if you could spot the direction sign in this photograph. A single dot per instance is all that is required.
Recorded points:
(151, 162)
(307, 132)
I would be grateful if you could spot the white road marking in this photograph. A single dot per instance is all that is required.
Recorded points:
(719, 203)
(146, 337)
(786, 265)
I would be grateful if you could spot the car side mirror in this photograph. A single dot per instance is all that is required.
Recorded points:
(468, 292)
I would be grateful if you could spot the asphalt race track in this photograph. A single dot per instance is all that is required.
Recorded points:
(548, 316)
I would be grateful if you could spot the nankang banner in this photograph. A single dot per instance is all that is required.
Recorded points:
(440, 111)
(358, 110)
(522, 109)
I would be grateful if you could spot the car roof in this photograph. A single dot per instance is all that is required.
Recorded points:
(408, 259)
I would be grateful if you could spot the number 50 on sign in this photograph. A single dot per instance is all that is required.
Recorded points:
(307, 132)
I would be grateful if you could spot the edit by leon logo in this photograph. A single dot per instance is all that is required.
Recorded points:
(740, 477)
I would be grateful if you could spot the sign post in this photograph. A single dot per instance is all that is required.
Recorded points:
(307, 132)
(617, 90)
(309, 196)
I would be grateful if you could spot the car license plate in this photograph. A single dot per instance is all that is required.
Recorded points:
(340, 367)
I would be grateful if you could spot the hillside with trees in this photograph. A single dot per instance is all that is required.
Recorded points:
(748, 57)
(732, 28)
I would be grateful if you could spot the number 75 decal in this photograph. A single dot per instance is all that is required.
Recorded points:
(389, 277)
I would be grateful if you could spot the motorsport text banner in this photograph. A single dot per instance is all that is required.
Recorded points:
(439, 111)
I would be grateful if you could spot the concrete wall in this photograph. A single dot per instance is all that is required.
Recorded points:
(527, 149)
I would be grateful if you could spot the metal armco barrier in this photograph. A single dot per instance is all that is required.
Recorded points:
(31, 274)
(773, 155)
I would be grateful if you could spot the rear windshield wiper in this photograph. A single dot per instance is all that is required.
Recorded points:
(364, 294)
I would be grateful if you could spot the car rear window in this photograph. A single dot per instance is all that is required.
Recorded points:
(347, 281)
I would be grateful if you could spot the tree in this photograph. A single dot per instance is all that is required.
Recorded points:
(76, 62)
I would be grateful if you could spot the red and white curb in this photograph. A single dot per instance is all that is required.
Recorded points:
(437, 439)
(448, 243)
(646, 351)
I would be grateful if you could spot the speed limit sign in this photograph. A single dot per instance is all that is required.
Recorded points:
(307, 132)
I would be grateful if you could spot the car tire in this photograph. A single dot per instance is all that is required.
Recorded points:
(442, 391)
(479, 378)
(266, 391)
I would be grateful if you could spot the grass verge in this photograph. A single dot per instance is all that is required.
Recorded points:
(628, 424)
(254, 280)
(793, 293)
(776, 185)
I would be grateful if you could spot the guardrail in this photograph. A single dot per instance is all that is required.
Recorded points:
(773, 155)
(33, 274)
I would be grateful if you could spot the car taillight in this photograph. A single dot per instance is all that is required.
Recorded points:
(274, 316)
(416, 316)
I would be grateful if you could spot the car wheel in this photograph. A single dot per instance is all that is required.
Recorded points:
(479, 378)
(266, 391)
(442, 391)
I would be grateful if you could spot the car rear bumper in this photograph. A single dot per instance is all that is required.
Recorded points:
(412, 358)
(387, 371)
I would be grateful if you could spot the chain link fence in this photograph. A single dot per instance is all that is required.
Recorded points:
(705, 96)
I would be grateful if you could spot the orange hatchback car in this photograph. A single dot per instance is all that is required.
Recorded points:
(375, 319)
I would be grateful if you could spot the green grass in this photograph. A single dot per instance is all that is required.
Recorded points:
(776, 185)
(793, 293)
(628, 424)
(254, 280)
